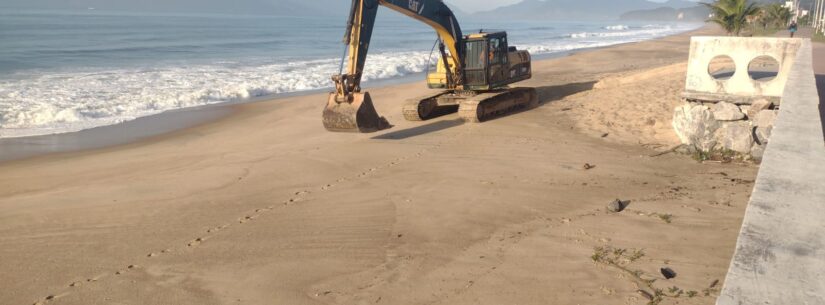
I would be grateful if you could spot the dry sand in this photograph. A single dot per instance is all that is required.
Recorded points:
(265, 207)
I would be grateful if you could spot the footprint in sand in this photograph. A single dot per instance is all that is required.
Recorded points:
(46, 299)
(96, 278)
(196, 242)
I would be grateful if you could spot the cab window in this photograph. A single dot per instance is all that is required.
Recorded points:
(476, 57)
(497, 52)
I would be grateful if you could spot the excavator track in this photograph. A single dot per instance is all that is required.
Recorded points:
(491, 105)
(428, 108)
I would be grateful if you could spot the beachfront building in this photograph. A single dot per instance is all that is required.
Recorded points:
(817, 21)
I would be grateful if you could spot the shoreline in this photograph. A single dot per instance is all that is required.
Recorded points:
(171, 121)
(269, 208)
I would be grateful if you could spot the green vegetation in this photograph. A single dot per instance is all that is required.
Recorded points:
(775, 16)
(818, 37)
(772, 18)
(621, 259)
(732, 15)
(718, 155)
(742, 17)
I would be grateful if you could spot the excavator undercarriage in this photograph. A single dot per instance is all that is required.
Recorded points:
(472, 106)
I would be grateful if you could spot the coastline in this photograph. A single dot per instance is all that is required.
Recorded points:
(157, 125)
(263, 206)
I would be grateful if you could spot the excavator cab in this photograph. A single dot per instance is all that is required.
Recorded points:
(489, 63)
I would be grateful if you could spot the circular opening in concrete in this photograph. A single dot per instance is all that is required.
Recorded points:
(722, 67)
(763, 68)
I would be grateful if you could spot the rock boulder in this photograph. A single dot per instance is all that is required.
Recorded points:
(762, 135)
(736, 136)
(724, 111)
(695, 125)
(757, 106)
(764, 118)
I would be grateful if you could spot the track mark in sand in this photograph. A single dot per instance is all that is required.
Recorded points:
(196, 242)
(49, 298)
(216, 229)
(485, 257)
(297, 197)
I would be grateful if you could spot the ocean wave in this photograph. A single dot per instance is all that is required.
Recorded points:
(652, 31)
(56, 102)
(617, 27)
(66, 102)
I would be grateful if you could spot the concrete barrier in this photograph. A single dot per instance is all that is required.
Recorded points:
(780, 253)
(740, 88)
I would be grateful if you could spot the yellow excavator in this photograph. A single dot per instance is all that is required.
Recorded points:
(474, 70)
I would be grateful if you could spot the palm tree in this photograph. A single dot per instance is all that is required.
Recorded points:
(776, 15)
(732, 15)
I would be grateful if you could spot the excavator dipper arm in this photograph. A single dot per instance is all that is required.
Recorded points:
(348, 109)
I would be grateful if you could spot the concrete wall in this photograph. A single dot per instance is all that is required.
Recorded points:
(740, 88)
(780, 253)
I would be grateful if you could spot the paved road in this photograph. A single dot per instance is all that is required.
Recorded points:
(819, 70)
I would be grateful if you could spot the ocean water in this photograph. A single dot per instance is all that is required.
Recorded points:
(65, 71)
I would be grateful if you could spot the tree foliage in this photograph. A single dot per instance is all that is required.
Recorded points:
(732, 15)
(775, 15)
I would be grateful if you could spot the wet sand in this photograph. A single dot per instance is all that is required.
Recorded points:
(264, 206)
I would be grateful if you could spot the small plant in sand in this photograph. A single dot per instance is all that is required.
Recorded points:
(668, 218)
(621, 259)
(717, 155)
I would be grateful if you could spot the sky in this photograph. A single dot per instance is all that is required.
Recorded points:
(469, 6)
(472, 6)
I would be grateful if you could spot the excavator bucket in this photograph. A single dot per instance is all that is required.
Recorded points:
(355, 115)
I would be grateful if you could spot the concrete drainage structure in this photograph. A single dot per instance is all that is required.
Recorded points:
(780, 252)
(733, 105)
(739, 88)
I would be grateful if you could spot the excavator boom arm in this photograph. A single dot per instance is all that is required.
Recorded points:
(431, 12)
(348, 109)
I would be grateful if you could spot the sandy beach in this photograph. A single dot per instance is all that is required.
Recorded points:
(263, 206)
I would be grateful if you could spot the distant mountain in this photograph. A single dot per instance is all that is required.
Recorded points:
(677, 4)
(253, 7)
(691, 14)
(575, 9)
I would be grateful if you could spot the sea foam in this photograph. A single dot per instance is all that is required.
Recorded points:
(48, 102)
(66, 102)
(620, 27)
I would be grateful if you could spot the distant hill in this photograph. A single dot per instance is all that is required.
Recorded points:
(691, 14)
(575, 9)
(253, 7)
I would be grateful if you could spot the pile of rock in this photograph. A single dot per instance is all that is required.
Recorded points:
(719, 126)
